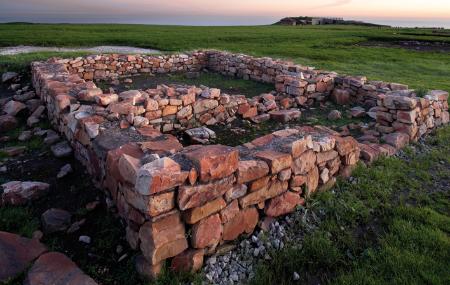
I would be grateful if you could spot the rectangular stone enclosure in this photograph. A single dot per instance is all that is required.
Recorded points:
(181, 203)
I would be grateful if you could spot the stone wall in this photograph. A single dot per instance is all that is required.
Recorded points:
(181, 203)
(115, 65)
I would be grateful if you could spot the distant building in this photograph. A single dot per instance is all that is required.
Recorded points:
(299, 21)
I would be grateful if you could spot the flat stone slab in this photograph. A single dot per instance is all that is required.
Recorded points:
(16, 254)
(57, 269)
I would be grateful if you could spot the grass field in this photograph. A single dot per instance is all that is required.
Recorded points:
(326, 47)
(390, 226)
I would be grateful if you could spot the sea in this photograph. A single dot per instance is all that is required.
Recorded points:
(201, 20)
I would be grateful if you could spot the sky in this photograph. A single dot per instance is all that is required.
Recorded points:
(228, 12)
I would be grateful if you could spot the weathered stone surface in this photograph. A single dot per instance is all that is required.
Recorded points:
(237, 191)
(7, 123)
(194, 215)
(249, 170)
(304, 163)
(19, 193)
(285, 116)
(9, 76)
(312, 181)
(198, 195)
(159, 175)
(12, 108)
(340, 96)
(128, 167)
(61, 149)
(214, 161)
(162, 238)
(283, 204)
(188, 261)
(16, 254)
(160, 203)
(346, 145)
(277, 161)
(56, 268)
(241, 222)
(274, 189)
(55, 220)
(168, 145)
(298, 146)
(397, 140)
(325, 156)
(229, 212)
(207, 232)
(399, 102)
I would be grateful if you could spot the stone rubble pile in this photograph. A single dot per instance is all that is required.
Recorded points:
(182, 203)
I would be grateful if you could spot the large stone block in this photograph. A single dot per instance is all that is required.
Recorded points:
(198, 195)
(283, 204)
(159, 175)
(249, 170)
(304, 163)
(214, 161)
(277, 161)
(207, 232)
(162, 238)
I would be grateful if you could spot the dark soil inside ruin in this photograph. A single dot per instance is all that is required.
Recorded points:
(242, 131)
(227, 84)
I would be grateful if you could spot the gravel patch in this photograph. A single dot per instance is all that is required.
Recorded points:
(98, 49)
(238, 265)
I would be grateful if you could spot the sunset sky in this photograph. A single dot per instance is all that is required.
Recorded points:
(218, 12)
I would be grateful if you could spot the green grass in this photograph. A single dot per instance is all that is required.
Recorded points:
(327, 47)
(391, 227)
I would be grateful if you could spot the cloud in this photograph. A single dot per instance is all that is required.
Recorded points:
(334, 3)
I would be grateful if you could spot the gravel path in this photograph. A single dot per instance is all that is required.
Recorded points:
(98, 49)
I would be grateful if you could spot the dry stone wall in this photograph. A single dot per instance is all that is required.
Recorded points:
(182, 203)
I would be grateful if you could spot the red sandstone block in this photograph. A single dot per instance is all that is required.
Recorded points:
(159, 175)
(163, 238)
(259, 183)
(298, 146)
(160, 203)
(237, 191)
(277, 161)
(194, 215)
(162, 145)
(397, 140)
(188, 261)
(198, 195)
(243, 222)
(113, 156)
(312, 181)
(345, 145)
(207, 232)
(304, 163)
(368, 153)
(297, 181)
(249, 170)
(283, 204)
(229, 212)
(340, 96)
(326, 156)
(214, 161)
(285, 116)
(274, 189)
(263, 141)
(128, 167)
(408, 117)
